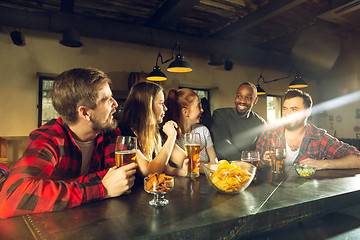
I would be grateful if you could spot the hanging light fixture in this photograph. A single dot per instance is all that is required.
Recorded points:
(178, 65)
(260, 91)
(298, 82)
(71, 38)
(157, 74)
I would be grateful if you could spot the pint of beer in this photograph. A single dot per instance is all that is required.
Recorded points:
(277, 160)
(124, 157)
(193, 148)
(125, 150)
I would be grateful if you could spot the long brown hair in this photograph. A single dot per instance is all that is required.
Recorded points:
(175, 101)
(139, 115)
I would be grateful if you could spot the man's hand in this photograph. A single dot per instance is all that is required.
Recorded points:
(320, 164)
(118, 180)
(265, 160)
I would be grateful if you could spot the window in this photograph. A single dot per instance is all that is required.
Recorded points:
(201, 92)
(273, 108)
(46, 110)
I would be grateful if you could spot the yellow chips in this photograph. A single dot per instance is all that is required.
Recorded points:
(229, 177)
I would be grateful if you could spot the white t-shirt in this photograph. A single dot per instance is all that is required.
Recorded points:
(290, 155)
(205, 140)
(86, 152)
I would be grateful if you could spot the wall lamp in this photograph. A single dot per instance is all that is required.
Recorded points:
(297, 83)
(17, 37)
(179, 65)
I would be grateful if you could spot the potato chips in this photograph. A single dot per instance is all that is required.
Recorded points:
(229, 177)
(158, 182)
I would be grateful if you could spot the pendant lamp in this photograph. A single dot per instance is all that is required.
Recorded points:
(179, 65)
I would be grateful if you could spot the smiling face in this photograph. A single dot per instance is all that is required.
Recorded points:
(193, 111)
(245, 99)
(102, 116)
(159, 107)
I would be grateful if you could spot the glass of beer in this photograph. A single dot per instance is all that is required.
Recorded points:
(277, 160)
(125, 150)
(193, 148)
(272, 143)
(252, 157)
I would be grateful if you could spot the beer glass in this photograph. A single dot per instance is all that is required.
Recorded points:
(193, 148)
(252, 157)
(125, 150)
(272, 143)
(277, 160)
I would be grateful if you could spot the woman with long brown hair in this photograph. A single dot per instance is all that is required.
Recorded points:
(184, 108)
(144, 110)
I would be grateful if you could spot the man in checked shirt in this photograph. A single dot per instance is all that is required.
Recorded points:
(304, 142)
(70, 161)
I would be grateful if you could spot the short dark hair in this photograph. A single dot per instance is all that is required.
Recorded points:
(291, 93)
(77, 87)
(249, 84)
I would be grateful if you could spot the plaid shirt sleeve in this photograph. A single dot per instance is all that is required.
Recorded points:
(318, 144)
(47, 177)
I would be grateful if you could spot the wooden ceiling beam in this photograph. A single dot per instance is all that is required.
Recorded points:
(112, 30)
(252, 20)
(170, 12)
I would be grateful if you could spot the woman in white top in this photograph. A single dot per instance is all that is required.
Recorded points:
(184, 108)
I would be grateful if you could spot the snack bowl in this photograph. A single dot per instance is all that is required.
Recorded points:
(229, 177)
(158, 185)
(305, 170)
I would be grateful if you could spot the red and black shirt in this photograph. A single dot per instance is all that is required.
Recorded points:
(47, 177)
(316, 144)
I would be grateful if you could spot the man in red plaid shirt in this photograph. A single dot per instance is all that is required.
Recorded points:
(304, 142)
(70, 161)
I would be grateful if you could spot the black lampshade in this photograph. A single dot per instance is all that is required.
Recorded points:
(179, 65)
(18, 38)
(298, 82)
(71, 38)
(156, 75)
(260, 91)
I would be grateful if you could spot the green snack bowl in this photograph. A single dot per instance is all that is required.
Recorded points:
(305, 170)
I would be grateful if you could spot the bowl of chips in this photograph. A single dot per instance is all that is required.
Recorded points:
(230, 177)
(159, 185)
(305, 170)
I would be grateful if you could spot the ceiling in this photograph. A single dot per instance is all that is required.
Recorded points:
(245, 30)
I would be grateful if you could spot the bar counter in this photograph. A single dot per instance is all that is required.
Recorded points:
(196, 210)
